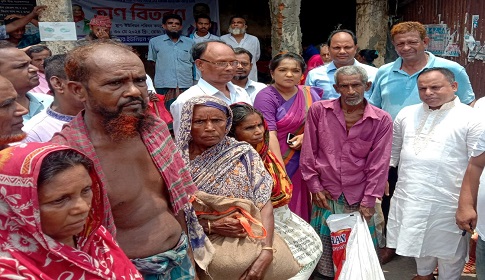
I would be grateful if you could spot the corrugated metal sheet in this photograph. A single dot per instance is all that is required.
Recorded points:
(457, 14)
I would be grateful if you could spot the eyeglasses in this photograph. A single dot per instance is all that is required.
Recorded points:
(222, 64)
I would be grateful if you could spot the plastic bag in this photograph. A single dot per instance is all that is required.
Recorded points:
(361, 257)
(340, 228)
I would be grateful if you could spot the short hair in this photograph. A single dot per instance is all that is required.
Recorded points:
(171, 16)
(351, 70)
(240, 111)
(197, 17)
(408, 26)
(238, 16)
(37, 49)
(54, 66)
(76, 66)
(276, 60)
(243, 51)
(200, 48)
(450, 77)
(369, 55)
(352, 34)
(59, 161)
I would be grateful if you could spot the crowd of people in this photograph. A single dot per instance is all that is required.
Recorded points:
(231, 178)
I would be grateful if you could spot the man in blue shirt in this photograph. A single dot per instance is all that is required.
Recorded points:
(171, 53)
(342, 47)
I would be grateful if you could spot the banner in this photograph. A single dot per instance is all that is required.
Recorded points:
(20, 7)
(136, 22)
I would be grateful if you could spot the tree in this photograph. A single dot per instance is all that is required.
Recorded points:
(285, 26)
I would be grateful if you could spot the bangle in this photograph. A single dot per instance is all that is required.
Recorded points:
(209, 226)
(267, 248)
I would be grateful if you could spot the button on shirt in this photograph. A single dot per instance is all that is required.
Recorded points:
(323, 77)
(354, 164)
(202, 88)
(173, 61)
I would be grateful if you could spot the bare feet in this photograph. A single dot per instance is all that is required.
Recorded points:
(386, 255)
(427, 277)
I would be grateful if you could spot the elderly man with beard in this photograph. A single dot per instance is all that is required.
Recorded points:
(16, 66)
(244, 66)
(344, 160)
(141, 170)
(172, 57)
(11, 113)
(238, 37)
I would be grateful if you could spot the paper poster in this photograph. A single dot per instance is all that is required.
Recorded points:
(438, 38)
(57, 31)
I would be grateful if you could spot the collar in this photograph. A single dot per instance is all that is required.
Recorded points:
(332, 68)
(205, 37)
(446, 106)
(396, 66)
(210, 90)
(369, 110)
(166, 38)
(58, 116)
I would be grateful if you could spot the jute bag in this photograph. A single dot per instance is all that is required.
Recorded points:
(234, 255)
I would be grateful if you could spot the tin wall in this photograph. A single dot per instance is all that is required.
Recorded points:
(457, 14)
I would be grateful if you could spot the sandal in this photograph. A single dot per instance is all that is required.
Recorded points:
(470, 267)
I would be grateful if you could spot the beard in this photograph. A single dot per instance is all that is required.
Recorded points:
(173, 34)
(121, 126)
(355, 102)
(236, 31)
(240, 77)
(12, 138)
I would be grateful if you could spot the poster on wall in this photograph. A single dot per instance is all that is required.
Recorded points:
(438, 38)
(136, 22)
(19, 7)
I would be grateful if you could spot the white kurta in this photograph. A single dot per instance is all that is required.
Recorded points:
(432, 149)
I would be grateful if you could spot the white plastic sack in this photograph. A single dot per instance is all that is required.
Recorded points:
(361, 260)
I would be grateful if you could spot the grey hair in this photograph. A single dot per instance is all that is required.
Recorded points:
(351, 70)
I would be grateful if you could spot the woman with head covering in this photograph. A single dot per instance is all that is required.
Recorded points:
(51, 213)
(224, 167)
(284, 106)
(248, 125)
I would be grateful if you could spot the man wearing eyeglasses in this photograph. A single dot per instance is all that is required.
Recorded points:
(432, 143)
(171, 56)
(244, 57)
(395, 85)
(217, 64)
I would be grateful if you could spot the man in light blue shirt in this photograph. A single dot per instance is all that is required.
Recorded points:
(342, 47)
(172, 56)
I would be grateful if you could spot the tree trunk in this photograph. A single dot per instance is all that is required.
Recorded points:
(285, 26)
(57, 11)
(372, 26)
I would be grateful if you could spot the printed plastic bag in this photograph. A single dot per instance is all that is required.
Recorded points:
(340, 228)
(361, 257)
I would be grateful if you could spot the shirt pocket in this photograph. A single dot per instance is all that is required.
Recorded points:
(183, 56)
(360, 148)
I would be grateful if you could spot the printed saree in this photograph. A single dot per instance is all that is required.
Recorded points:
(26, 252)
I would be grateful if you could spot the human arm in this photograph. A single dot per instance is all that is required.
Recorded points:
(377, 165)
(23, 21)
(465, 90)
(183, 223)
(466, 214)
(228, 226)
(258, 267)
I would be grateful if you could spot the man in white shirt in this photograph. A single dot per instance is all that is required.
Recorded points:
(65, 107)
(432, 143)
(342, 47)
(238, 37)
(217, 64)
(243, 68)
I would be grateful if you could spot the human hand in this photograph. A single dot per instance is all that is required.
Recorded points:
(257, 270)
(367, 212)
(386, 190)
(229, 226)
(320, 199)
(153, 96)
(466, 218)
(296, 142)
(38, 10)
